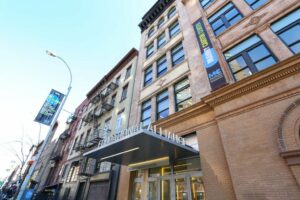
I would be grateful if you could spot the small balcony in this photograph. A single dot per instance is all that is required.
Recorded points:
(65, 135)
(96, 137)
(112, 86)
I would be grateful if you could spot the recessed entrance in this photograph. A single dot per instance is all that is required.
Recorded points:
(180, 181)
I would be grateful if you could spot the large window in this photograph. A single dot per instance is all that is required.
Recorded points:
(172, 12)
(177, 54)
(148, 76)
(150, 50)
(174, 29)
(124, 92)
(183, 97)
(162, 66)
(224, 18)
(249, 57)
(161, 40)
(288, 30)
(106, 127)
(256, 3)
(206, 3)
(146, 113)
(162, 108)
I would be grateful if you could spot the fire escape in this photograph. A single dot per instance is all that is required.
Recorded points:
(101, 98)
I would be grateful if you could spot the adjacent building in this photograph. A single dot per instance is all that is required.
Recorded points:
(106, 112)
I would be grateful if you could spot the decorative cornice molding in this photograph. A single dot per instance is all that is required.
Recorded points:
(262, 79)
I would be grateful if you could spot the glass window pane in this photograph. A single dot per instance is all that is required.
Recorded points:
(291, 35)
(152, 190)
(146, 114)
(296, 48)
(197, 188)
(235, 19)
(259, 4)
(165, 190)
(172, 12)
(183, 95)
(265, 63)
(231, 14)
(181, 189)
(250, 1)
(184, 104)
(162, 95)
(220, 30)
(161, 22)
(217, 24)
(285, 21)
(163, 114)
(174, 28)
(146, 122)
(146, 104)
(242, 46)
(237, 64)
(258, 53)
(220, 12)
(181, 84)
(242, 74)
(163, 105)
(137, 191)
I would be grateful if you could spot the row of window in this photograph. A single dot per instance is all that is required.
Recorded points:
(174, 29)
(177, 56)
(183, 99)
(254, 4)
(161, 21)
(252, 55)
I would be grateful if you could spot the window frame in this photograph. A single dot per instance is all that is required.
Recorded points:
(224, 20)
(151, 32)
(286, 28)
(172, 12)
(176, 91)
(148, 71)
(179, 60)
(123, 97)
(161, 22)
(210, 2)
(251, 4)
(128, 72)
(160, 37)
(249, 63)
(148, 48)
(160, 101)
(144, 110)
(158, 64)
(172, 26)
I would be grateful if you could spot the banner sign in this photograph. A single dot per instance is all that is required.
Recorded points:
(50, 108)
(209, 56)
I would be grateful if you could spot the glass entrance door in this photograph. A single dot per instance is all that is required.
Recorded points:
(176, 187)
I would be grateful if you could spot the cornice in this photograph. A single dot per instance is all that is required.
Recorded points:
(262, 79)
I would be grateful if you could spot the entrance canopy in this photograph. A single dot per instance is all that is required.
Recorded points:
(141, 145)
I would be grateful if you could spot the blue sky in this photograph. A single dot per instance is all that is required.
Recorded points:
(91, 35)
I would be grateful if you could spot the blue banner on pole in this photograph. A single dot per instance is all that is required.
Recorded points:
(50, 107)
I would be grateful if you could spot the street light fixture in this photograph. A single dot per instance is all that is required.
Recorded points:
(50, 132)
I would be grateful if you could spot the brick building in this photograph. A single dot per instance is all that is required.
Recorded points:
(223, 76)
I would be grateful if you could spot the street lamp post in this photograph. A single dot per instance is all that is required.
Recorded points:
(50, 132)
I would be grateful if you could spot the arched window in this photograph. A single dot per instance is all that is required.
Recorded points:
(172, 12)
(150, 32)
(160, 22)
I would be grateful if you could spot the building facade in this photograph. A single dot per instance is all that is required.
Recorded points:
(106, 112)
(223, 76)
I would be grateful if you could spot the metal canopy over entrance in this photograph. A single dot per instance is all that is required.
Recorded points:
(139, 145)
